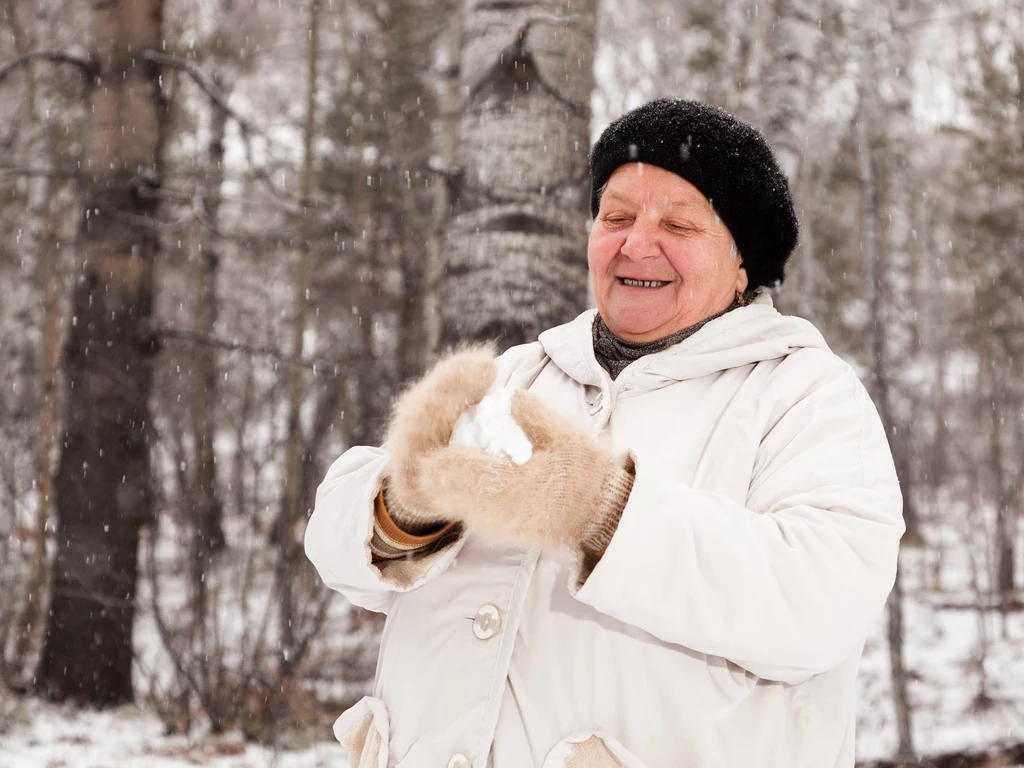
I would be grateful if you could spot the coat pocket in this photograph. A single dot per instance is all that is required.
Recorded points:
(363, 731)
(594, 749)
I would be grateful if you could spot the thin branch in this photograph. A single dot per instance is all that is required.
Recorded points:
(245, 126)
(316, 364)
(88, 66)
(149, 222)
(550, 20)
(11, 171)
(205, 84)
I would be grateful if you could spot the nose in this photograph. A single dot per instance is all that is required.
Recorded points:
(641, 242)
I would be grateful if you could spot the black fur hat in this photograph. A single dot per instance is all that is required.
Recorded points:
(727, 160)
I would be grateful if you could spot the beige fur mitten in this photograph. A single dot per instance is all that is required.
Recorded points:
(422, 422)
(571, 492)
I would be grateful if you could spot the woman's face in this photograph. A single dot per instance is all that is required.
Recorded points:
(654, 226)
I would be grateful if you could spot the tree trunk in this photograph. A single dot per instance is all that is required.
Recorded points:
(410, 45)
(517, 239)
(31, 615)
(103, 488)
(898, 175)
(205, 508)
(792, 42)
(759, 24)
(1007, 494)
(898, 669)
(292, 502)
(875, 256)
(443, 198)
(209, 509)
(783, 99)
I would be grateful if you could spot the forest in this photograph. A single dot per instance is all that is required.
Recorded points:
(232, 230)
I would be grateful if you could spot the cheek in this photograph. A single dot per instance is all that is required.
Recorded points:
(601, 249)
(704, 268)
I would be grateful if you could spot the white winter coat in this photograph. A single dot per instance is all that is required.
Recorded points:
(722, 627)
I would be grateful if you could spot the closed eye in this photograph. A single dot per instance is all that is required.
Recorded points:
(679, 228)
(617, 221)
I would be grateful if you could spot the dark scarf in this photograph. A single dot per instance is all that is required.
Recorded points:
(614, 354)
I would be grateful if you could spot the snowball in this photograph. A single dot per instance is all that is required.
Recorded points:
(490, 428)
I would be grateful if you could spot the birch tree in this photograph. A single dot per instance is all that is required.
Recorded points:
(791, 48)
(35, 306)
(517, 238)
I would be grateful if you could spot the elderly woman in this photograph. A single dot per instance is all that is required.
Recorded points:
(684, 571)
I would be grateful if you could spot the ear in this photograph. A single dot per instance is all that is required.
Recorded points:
(741, 280)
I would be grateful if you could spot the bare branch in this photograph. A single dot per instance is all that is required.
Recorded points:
(88, 66)
(550, 20)
(315, 364)
(205, 84)
(149, 222)
(245, 126)
(12, 172)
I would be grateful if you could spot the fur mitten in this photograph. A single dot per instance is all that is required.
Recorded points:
(570, 493)
(421, 422)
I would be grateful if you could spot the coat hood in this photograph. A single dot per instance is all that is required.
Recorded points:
(744, 336)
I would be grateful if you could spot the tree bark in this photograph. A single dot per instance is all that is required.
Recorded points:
(517, 237)
(1007, 494)
(783, 98)
(292, 501)
(443, 188)
(898, 175)
(103, 488)
(209, 509)
(411, 36)
(876, 258)
(43, 243)
(204, 505)
(31, 615)
(792, 43)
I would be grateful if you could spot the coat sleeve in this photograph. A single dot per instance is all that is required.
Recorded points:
(787, 584)
(338, 535)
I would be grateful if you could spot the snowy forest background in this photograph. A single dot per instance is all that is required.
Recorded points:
(230, 230)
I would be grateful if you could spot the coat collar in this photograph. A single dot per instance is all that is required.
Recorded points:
(744, 336)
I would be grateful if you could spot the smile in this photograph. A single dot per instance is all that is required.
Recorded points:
(642, 283)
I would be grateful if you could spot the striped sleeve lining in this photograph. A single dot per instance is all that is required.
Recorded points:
(389, 542)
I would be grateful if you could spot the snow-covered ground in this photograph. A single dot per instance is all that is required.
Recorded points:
(952, 653)
(946, 639)
(49, 736)
(941, 654)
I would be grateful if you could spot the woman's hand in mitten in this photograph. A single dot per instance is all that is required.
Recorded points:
(571, 492)
(421, 422)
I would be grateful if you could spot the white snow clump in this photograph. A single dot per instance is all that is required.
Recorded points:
(489, 427)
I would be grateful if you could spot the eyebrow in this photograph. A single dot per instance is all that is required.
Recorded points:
(619, 197)
(671, 203)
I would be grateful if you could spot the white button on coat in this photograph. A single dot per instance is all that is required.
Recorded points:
(486, 624)
(460, 761)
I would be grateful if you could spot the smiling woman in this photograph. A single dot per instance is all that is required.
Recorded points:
(661, 259)
(684, 570)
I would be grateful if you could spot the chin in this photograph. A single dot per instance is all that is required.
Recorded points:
(631, 327)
